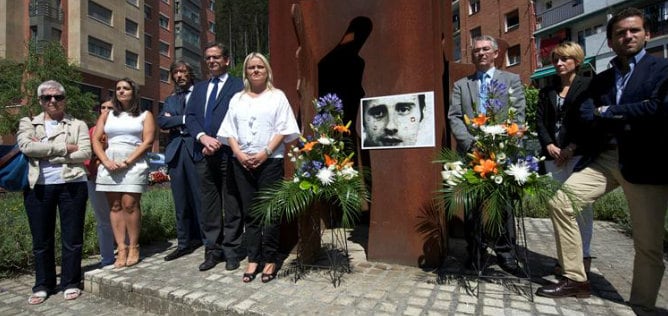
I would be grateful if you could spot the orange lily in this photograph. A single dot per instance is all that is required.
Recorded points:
(329, 160)
(345, 163)
(512, 129)
(309, 146)
(342, 129)
(480, 120)
(486, 166)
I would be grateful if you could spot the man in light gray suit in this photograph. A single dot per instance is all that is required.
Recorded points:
(468, 98)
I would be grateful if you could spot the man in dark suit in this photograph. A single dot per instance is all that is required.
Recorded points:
(627, 123)
(179, 159)
(207, 107)
(468, 96)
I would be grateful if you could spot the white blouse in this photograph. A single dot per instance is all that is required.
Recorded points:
(253, 121)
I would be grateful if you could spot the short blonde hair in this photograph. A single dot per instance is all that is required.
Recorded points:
(265, 61)
(569, 49)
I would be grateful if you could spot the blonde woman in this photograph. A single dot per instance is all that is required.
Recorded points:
(258, 124)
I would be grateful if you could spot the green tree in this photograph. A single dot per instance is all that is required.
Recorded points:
(243, 25)
(19, 82)
(531, 96)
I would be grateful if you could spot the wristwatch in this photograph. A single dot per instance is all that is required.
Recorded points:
(268, 151)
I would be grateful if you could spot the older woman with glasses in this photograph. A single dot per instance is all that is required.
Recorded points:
(57, 145)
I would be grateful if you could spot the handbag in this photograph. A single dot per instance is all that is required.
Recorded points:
(13, 168)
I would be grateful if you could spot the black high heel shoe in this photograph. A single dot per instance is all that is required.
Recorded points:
(268, 277)
(249, 277)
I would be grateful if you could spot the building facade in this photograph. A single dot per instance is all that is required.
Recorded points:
(109, 40)
(512, 22)
(585, 22)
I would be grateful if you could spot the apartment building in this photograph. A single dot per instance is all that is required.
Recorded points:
(109, 40)
(512, 22)
(584, 22)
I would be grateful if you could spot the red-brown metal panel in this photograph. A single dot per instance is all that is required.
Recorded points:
(403, 53)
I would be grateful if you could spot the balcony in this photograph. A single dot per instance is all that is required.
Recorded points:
(559, 14)
(44, 9)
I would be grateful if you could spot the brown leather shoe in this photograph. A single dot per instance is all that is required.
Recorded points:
(565, 288)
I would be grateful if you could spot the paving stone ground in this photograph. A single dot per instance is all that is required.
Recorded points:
(156, 287)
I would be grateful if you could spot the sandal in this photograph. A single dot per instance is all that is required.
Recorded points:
(37, 298)
(268, 276)
(250, 276)
(121, 257)
(71, 294)
(133, 256)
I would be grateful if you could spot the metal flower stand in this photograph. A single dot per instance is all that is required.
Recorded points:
(482, 272)
(330, 254)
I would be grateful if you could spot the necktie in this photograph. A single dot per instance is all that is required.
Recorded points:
(210, 104)
(483, 93)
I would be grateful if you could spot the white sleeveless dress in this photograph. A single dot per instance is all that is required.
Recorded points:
(124, 134)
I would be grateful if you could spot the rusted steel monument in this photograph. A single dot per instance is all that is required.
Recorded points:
(360, 49)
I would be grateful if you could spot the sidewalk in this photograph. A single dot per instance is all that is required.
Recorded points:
(178, 288)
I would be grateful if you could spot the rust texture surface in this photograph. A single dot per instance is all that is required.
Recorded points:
(366, 49)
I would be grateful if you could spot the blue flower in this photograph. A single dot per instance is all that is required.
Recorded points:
(329, 100)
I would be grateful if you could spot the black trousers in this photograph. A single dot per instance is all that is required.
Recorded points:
(220, 217)
(477, 239)
(262, 239)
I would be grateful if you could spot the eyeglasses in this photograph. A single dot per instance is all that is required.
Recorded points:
(47, 98)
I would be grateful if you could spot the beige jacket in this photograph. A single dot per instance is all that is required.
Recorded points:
(70, 131)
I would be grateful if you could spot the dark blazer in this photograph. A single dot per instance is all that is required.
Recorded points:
(547, 114)
(178, 133)
(197, 104)
(639, 123)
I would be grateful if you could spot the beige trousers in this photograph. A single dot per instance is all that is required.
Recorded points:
(647, 205)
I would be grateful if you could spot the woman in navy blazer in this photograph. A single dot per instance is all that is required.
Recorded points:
(558, 127)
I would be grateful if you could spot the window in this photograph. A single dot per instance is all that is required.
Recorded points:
(548, 5)
(514, 55)
(476, 32)
(148, 69)
(148, 12)
(474, 6)
(187, 33)
(512, 20)
(212, 27)
(131, 27)
(33, 32)
(148, 41)
(133, 2)
(164, 75)
(99, 12)
(455, 22)
(99, 48)
(457, 47)
(131, 59)
(165, 1)
(164, 48)
(164, 22)
(146, 104)
(212, 5)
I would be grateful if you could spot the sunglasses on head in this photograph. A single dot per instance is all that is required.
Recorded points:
(47, 98)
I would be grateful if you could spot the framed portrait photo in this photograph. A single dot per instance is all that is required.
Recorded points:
(398, 121)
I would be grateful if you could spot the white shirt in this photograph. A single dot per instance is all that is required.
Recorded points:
(253, 121)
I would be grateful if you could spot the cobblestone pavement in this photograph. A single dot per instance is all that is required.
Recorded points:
(372, 288)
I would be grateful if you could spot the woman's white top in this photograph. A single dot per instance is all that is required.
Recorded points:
(253, 121)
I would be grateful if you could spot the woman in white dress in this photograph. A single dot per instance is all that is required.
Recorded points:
(124, 169)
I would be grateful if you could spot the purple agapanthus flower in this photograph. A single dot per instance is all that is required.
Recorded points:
(496, 89)
(330, 100)
(531, 162)
(321, 119)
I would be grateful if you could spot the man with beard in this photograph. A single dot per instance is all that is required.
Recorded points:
(179, 158)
